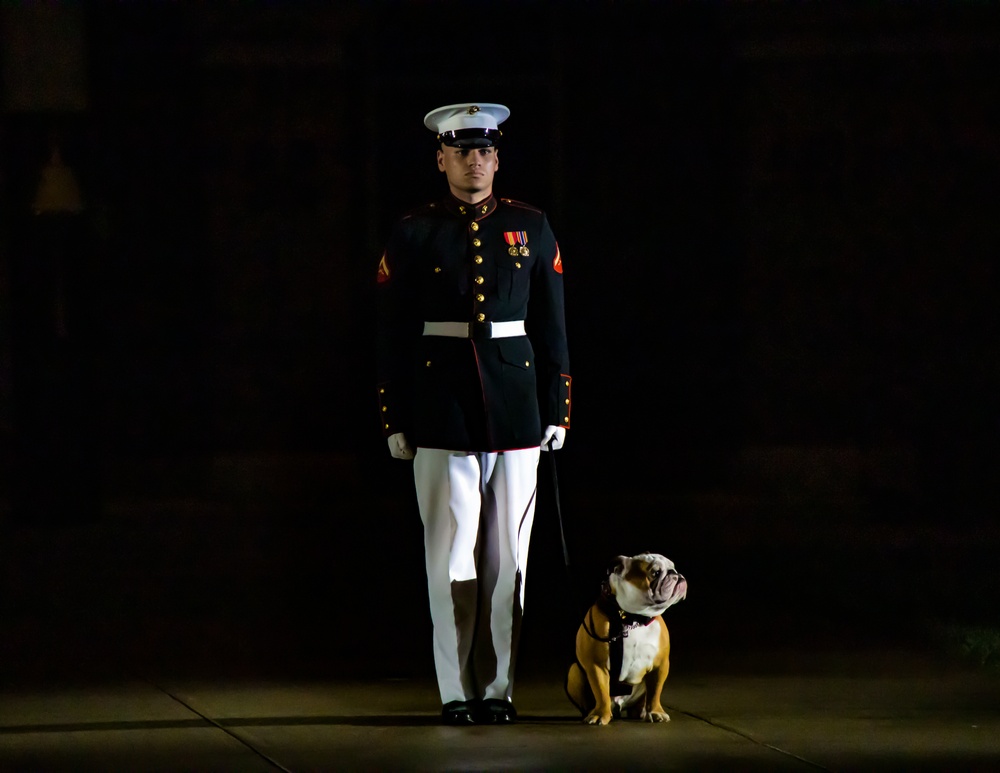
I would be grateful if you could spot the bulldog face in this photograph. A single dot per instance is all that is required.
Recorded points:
(646, 584)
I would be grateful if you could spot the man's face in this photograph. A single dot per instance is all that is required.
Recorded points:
(469, 171)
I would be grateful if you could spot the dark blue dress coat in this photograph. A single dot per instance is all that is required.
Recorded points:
(449, 261)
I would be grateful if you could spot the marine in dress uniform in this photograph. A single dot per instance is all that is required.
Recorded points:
(473, 381)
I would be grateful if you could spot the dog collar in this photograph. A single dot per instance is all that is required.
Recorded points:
(621, 621)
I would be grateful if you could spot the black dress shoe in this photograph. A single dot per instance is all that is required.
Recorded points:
(457, 713)
(496, 711)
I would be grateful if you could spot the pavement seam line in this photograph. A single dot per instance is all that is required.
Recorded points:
(227, 731)
(748, 737)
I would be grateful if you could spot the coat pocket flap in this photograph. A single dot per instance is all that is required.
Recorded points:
(516, 352)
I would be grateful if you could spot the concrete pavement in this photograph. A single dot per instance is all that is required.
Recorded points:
(865, 710)
(198, 640)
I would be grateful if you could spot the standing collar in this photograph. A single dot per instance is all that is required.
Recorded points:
(476, 211)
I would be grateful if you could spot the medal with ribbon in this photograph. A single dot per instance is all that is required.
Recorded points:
(518, 241)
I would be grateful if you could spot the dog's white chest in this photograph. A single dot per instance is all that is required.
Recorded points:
(639, 650)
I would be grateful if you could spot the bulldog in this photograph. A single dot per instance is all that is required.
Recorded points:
(622, 646)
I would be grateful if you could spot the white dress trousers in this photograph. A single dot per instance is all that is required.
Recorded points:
(477, 510)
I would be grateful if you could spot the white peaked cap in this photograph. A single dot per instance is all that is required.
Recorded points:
(469, 123)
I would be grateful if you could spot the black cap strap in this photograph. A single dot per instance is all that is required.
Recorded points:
(470, 138)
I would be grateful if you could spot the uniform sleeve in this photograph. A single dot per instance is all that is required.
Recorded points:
(546, 326)
(395, 331)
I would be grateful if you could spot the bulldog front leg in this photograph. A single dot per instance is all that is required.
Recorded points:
(600, 684)
(657, 676)
(594, 656)
(654, 688)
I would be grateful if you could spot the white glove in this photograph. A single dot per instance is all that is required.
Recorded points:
(556, 434)
(399, 448)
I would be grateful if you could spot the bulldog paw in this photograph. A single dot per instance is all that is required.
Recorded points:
(598, 718)
(657, 716)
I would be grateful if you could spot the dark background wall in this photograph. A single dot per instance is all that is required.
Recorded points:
(778, 222)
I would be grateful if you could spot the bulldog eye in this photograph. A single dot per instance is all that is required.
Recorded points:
(656, 573)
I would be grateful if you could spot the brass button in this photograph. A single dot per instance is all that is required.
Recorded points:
(567, 383)
(480, 297)
(479, 280)
(567, 401)
(437, 269)
(476, 243)
(384, 409)
(527, 364)
(480, 317)
(485, 209)
(478, 259)
(428, 363)
(566, 420)
(517, 265)
(387, 426)
(462, 210)
(381, 391)
(474, 226)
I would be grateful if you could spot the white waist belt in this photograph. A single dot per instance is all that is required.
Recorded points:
(475, 329)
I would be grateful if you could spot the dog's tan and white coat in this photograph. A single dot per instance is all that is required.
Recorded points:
(639, 589)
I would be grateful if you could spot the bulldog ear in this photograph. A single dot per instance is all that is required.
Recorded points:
(620, 566)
